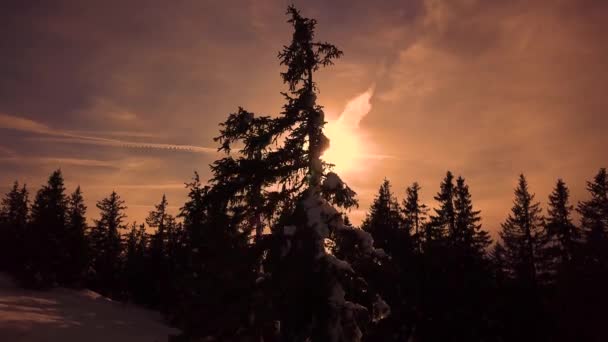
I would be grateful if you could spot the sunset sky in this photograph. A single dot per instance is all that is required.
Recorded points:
(127, 95)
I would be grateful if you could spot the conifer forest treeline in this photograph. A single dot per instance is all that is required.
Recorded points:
(264, 250)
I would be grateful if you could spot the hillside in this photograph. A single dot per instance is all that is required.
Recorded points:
(72, 315)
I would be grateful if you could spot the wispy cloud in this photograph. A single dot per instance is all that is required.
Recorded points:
(131, 134)
(60, 161)
(378, 156)
(30, 126)
(22, 124)
(162, 186)
(5, 151)
(348, 145)
(356, 109)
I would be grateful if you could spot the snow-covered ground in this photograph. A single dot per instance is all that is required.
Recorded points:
(73, 316)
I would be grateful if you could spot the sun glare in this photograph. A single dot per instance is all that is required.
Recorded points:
(346, 147)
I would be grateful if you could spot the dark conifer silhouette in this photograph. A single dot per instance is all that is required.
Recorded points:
(563, 235)
(499, 264)
(163, 251)
(524, 237)
(265, 251)
(526, 264)
(295, 265)
(14, 210)
(589, 290)
(46, 235)
(76, 243)
(384, 222)
(469, 238)
(216, 276)
(415, 215)
(443, 222)
(594, 220)
(311, 283)
(138, 274)
(107, 248)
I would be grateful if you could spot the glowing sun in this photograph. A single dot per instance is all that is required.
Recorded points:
(346, 146)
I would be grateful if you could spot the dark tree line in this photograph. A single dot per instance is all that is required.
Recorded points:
(264, 250)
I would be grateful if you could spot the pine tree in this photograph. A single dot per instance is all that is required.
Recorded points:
(443, 223)
(244, 179)
(594, 220)
(159, 218)
(562, 233)
(311, 283)
(76, 244)
(469, 237)
(137, 273)
(497, 256)
(384, 222)
(46, 235)
(591, 276)
(216, 277)
(14, 210)
(524, 238)
(107, 245)
(163, 253)
(415, 215)
(283, 154)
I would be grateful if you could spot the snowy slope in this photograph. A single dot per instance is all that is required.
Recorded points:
(73, 316)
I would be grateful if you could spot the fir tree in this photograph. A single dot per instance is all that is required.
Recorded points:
(524, 237)
(562, 233)
(285, 153)
(443, 223)
(594, 220)
(14, 210)
(497, 256)
(591, 276)
(163, 253)
(311, 283)
(384, 222)
(159, 218)
(216, 277)
(47, 234)
(469, 237)
(244, 179)
(76, 244)
(107, 245)
(137, 273)
(415, 214)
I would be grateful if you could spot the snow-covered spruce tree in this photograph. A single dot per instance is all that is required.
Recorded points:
(279, 178)
(311, 282)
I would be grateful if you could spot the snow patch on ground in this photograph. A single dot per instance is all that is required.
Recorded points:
(73, 316)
